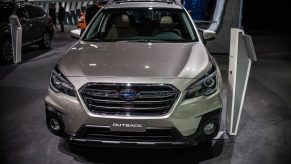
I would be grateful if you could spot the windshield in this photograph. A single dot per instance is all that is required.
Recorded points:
(6, 11)
(141, 24)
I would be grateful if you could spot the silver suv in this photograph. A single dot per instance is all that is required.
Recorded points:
(139, 75)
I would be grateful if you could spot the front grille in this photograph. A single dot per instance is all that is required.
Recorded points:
(151, 135)
(150, 100)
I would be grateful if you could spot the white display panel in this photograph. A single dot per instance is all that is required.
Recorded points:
(16, 38)
(240, 58)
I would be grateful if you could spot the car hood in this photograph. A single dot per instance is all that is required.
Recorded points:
(134, 59)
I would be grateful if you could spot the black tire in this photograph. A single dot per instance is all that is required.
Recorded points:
(45, 43)
(6, 52)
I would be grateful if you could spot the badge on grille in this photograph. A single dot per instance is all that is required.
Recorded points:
(128, 94)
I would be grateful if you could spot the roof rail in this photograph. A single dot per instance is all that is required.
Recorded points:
(13, 1)
(177, 2)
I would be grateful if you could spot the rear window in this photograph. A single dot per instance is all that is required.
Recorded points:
(35, 12)
(6, 11)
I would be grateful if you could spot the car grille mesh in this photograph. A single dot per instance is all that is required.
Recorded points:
(151, 135)
(151, 99)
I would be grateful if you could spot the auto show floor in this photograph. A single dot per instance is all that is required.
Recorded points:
(263, 137)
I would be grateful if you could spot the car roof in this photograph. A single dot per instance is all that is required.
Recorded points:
(15, 4)
(144, 3)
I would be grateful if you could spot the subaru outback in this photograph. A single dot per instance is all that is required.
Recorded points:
(139, 75)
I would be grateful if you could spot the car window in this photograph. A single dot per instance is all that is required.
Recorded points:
(41, 11)
(35, 12)
(139, 24)
(21, 14)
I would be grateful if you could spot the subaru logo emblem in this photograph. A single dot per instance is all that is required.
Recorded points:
(128, 94)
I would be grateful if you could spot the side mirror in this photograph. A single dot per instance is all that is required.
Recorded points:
(75, 34)
(208, 35)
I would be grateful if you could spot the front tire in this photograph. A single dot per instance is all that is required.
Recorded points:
(6, 55)
(46, 41)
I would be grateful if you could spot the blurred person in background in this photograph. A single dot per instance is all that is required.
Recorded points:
(61, 16)
(82, 22)
(92, 10)
(53, 15)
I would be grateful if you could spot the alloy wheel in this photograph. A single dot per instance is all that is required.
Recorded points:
(7, 51)
(46, 40)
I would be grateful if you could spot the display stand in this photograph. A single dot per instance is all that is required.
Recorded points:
(16, 38)
(242, 53)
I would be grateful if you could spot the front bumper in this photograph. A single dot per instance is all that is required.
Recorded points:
(183, 122)
(95, 135)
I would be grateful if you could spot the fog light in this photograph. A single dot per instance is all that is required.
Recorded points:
(54, 124)
(210, 128)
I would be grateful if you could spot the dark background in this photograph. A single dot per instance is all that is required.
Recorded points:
(266, 15)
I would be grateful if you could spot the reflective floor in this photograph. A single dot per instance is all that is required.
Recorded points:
(264, 133)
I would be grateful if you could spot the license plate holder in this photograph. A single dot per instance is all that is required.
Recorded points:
(128, 125)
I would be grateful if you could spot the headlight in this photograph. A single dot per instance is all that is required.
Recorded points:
(206, 85)
(59, 83)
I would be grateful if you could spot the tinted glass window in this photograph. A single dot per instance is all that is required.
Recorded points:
(148, 24)
(35, 12)
(21, 13)
(41, 11)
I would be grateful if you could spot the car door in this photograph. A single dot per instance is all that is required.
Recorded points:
(25, 24)
(35, 31)
(42, 20)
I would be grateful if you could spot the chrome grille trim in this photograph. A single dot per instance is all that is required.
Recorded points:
(152, 99)
(129, 108)
(132, 102)
(155, 94)
(101, 93)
